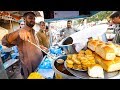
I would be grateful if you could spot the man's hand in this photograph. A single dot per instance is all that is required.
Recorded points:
(24, 35)
(44, 48)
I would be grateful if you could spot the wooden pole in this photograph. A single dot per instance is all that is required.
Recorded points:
(11, 26)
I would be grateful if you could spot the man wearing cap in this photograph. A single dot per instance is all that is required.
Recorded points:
(21, 24)
(30, 56)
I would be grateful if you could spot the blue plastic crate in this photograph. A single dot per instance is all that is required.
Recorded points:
(46, 63)
(53, 50)
(5, 56)
(15, 49)
(47, 73)
(0, 47)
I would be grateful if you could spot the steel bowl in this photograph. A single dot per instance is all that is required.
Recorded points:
(68, 49)
(67, 46)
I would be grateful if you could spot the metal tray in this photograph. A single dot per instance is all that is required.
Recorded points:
(84, 75)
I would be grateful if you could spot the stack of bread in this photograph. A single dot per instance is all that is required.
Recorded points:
(106, 54)
(98, 57)
(96, 71)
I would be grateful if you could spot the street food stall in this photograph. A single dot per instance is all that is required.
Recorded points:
(94, 62)
(82, 55)
(85, 55)
(95, 59)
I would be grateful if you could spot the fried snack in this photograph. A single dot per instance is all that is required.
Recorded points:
(77, 61)
(80, 55)
(93, 54)
(69, 61)
(69, 56)
(87, 61)
(69, 65)
(74, 56)
(89, 57)
(82, 60)
(88, 52)
(92, 61)
(85, 68)
(81, 52)
(77, 66)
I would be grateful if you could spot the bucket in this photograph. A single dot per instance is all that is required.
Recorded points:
(67, 46)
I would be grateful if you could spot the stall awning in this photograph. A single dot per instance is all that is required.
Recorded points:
(77, 17)
(67, 18)
(9, 16)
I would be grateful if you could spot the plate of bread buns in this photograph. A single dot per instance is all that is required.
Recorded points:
(99, 60)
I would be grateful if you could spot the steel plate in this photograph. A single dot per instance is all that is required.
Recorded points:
(84, 75)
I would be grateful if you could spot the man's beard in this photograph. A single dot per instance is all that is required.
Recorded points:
(29, 24)
(68, 26)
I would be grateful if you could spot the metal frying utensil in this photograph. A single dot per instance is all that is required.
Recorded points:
(42, 50)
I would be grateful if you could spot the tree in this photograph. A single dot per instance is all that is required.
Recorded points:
(99, 16)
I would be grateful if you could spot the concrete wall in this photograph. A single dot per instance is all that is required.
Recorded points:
(5, 28)
(2, 33)
(10, 27)
(36, 28)
(64, 14)
(5, 25)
